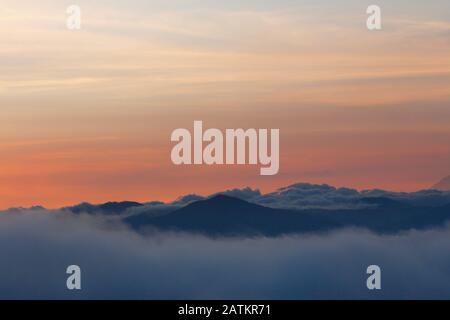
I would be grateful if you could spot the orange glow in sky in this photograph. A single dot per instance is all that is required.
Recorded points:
(87, 115)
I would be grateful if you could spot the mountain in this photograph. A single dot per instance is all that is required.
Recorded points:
(227, 216)
(108, 208)
(383, 202)
(224, 215)
(443, 185)
(297, 209)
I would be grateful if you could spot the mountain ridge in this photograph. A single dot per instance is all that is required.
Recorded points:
(442, 185)
(227, 216)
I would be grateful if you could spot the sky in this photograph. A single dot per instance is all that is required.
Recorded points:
(87, 115)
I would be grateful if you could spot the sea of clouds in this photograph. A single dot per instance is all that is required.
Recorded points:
(303, 196)
(36, 246)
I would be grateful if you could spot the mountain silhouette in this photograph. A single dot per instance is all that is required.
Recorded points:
(108, 208)
(297, 209)
(227, 216)
(443, 185)
(224, 215)
(383, 202)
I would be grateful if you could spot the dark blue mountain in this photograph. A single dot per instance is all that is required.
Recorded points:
(383, 202)
(109, 208)
(226, 216)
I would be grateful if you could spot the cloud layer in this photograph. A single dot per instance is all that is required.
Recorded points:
(312, 196)
(37, 247)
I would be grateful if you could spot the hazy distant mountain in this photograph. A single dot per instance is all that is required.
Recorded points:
(299, 196)
(224, 215)
(227, 216)
(109, 208)
(298, 208)
(443, 185)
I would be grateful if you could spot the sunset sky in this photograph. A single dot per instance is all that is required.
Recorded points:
(87, 115)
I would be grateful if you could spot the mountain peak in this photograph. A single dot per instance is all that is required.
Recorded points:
(109, 208)
(224, 197)
(443, 185)
(222, 201)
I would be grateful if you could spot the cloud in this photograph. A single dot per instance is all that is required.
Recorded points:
(299, 196)
(37, 246)
(307, 196)
(247, 194)
(312, 196)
